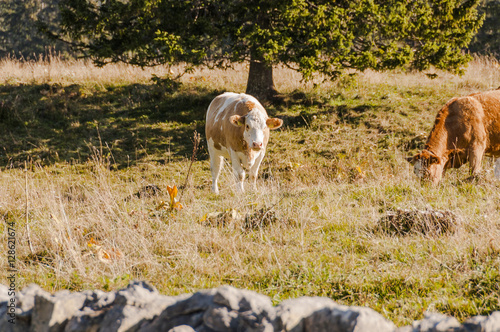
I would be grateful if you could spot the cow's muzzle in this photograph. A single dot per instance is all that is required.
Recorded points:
(256, 145)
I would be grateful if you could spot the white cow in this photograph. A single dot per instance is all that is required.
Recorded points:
(237, 128)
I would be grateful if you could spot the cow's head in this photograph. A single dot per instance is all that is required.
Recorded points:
(428, 166)
(255, 124)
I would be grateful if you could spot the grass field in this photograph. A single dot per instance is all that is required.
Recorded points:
(87, 154)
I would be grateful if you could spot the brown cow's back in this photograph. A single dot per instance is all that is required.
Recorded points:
(463, 119)
(465, 129)
(490, 102)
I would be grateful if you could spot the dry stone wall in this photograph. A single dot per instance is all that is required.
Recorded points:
(139, 307)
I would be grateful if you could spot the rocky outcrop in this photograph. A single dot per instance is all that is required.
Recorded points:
(139, 307)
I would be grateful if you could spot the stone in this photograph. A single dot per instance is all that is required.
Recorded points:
(90, 317)
(86, 320)
(182, 328)
(133, 306)
(98, 300)
(244, 300)
(139, 307)
(221, 319)
(347, 319)
(291, 313)
(489, 323)
(4, 294)
(435, 322)
(186, 310)
(52, 312)
(25, 301)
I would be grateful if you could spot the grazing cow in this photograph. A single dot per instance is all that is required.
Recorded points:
(237, 128)
(466, 128)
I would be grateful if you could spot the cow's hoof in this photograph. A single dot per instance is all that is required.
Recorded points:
(475, 178)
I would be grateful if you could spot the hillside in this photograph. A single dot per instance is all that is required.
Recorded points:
(87, 154)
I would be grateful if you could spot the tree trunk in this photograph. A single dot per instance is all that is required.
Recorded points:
(260, 81)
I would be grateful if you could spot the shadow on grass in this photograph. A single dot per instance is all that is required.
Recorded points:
(129, 124)
(317, 106)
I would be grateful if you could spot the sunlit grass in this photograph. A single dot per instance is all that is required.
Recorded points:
(95, 139)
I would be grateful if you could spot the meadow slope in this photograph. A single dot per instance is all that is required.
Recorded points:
(87, 154)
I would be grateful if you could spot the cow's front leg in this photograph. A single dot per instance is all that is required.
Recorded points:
(238, 170)
(254, 170)
(215, 166)
(476, 153)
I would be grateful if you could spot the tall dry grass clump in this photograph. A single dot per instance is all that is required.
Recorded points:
(481, 74)
(54, 69)
(314, 226)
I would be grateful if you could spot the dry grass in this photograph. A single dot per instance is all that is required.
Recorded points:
(482, 74)
(329, 177)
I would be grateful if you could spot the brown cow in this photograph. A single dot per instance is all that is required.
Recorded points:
(237, 128)
(466, 128)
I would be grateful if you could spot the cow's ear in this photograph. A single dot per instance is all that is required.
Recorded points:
(274, 123)
(413, 160)
(237, 120)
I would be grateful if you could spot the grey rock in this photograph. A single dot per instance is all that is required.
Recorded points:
(244, 300)
(4, 302)
(322, 314)
(137, 293)
(25, 301)
(182, 328)
(250, 322)
(182, 306)
(159, 324)
(52, 312)
(98, 300)
(347, 319)
(90, 317)
(4, 294)
(221, 319)
(435, 322)
(133, 306)
(139, 307)
(252, 311)
(86, 320)
(291, 313)
(186, 310)
(489, 323)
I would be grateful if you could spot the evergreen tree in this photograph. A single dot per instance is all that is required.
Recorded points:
(487, 40)
(19, 34)
(310, 36)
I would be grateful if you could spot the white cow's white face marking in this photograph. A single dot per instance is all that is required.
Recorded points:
(418, 169)
(424, 169)
(255, 124)
(497, 168)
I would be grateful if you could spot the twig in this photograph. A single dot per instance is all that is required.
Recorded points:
(111, 153)
(196, 144)
(27, 207)
(100, 140)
